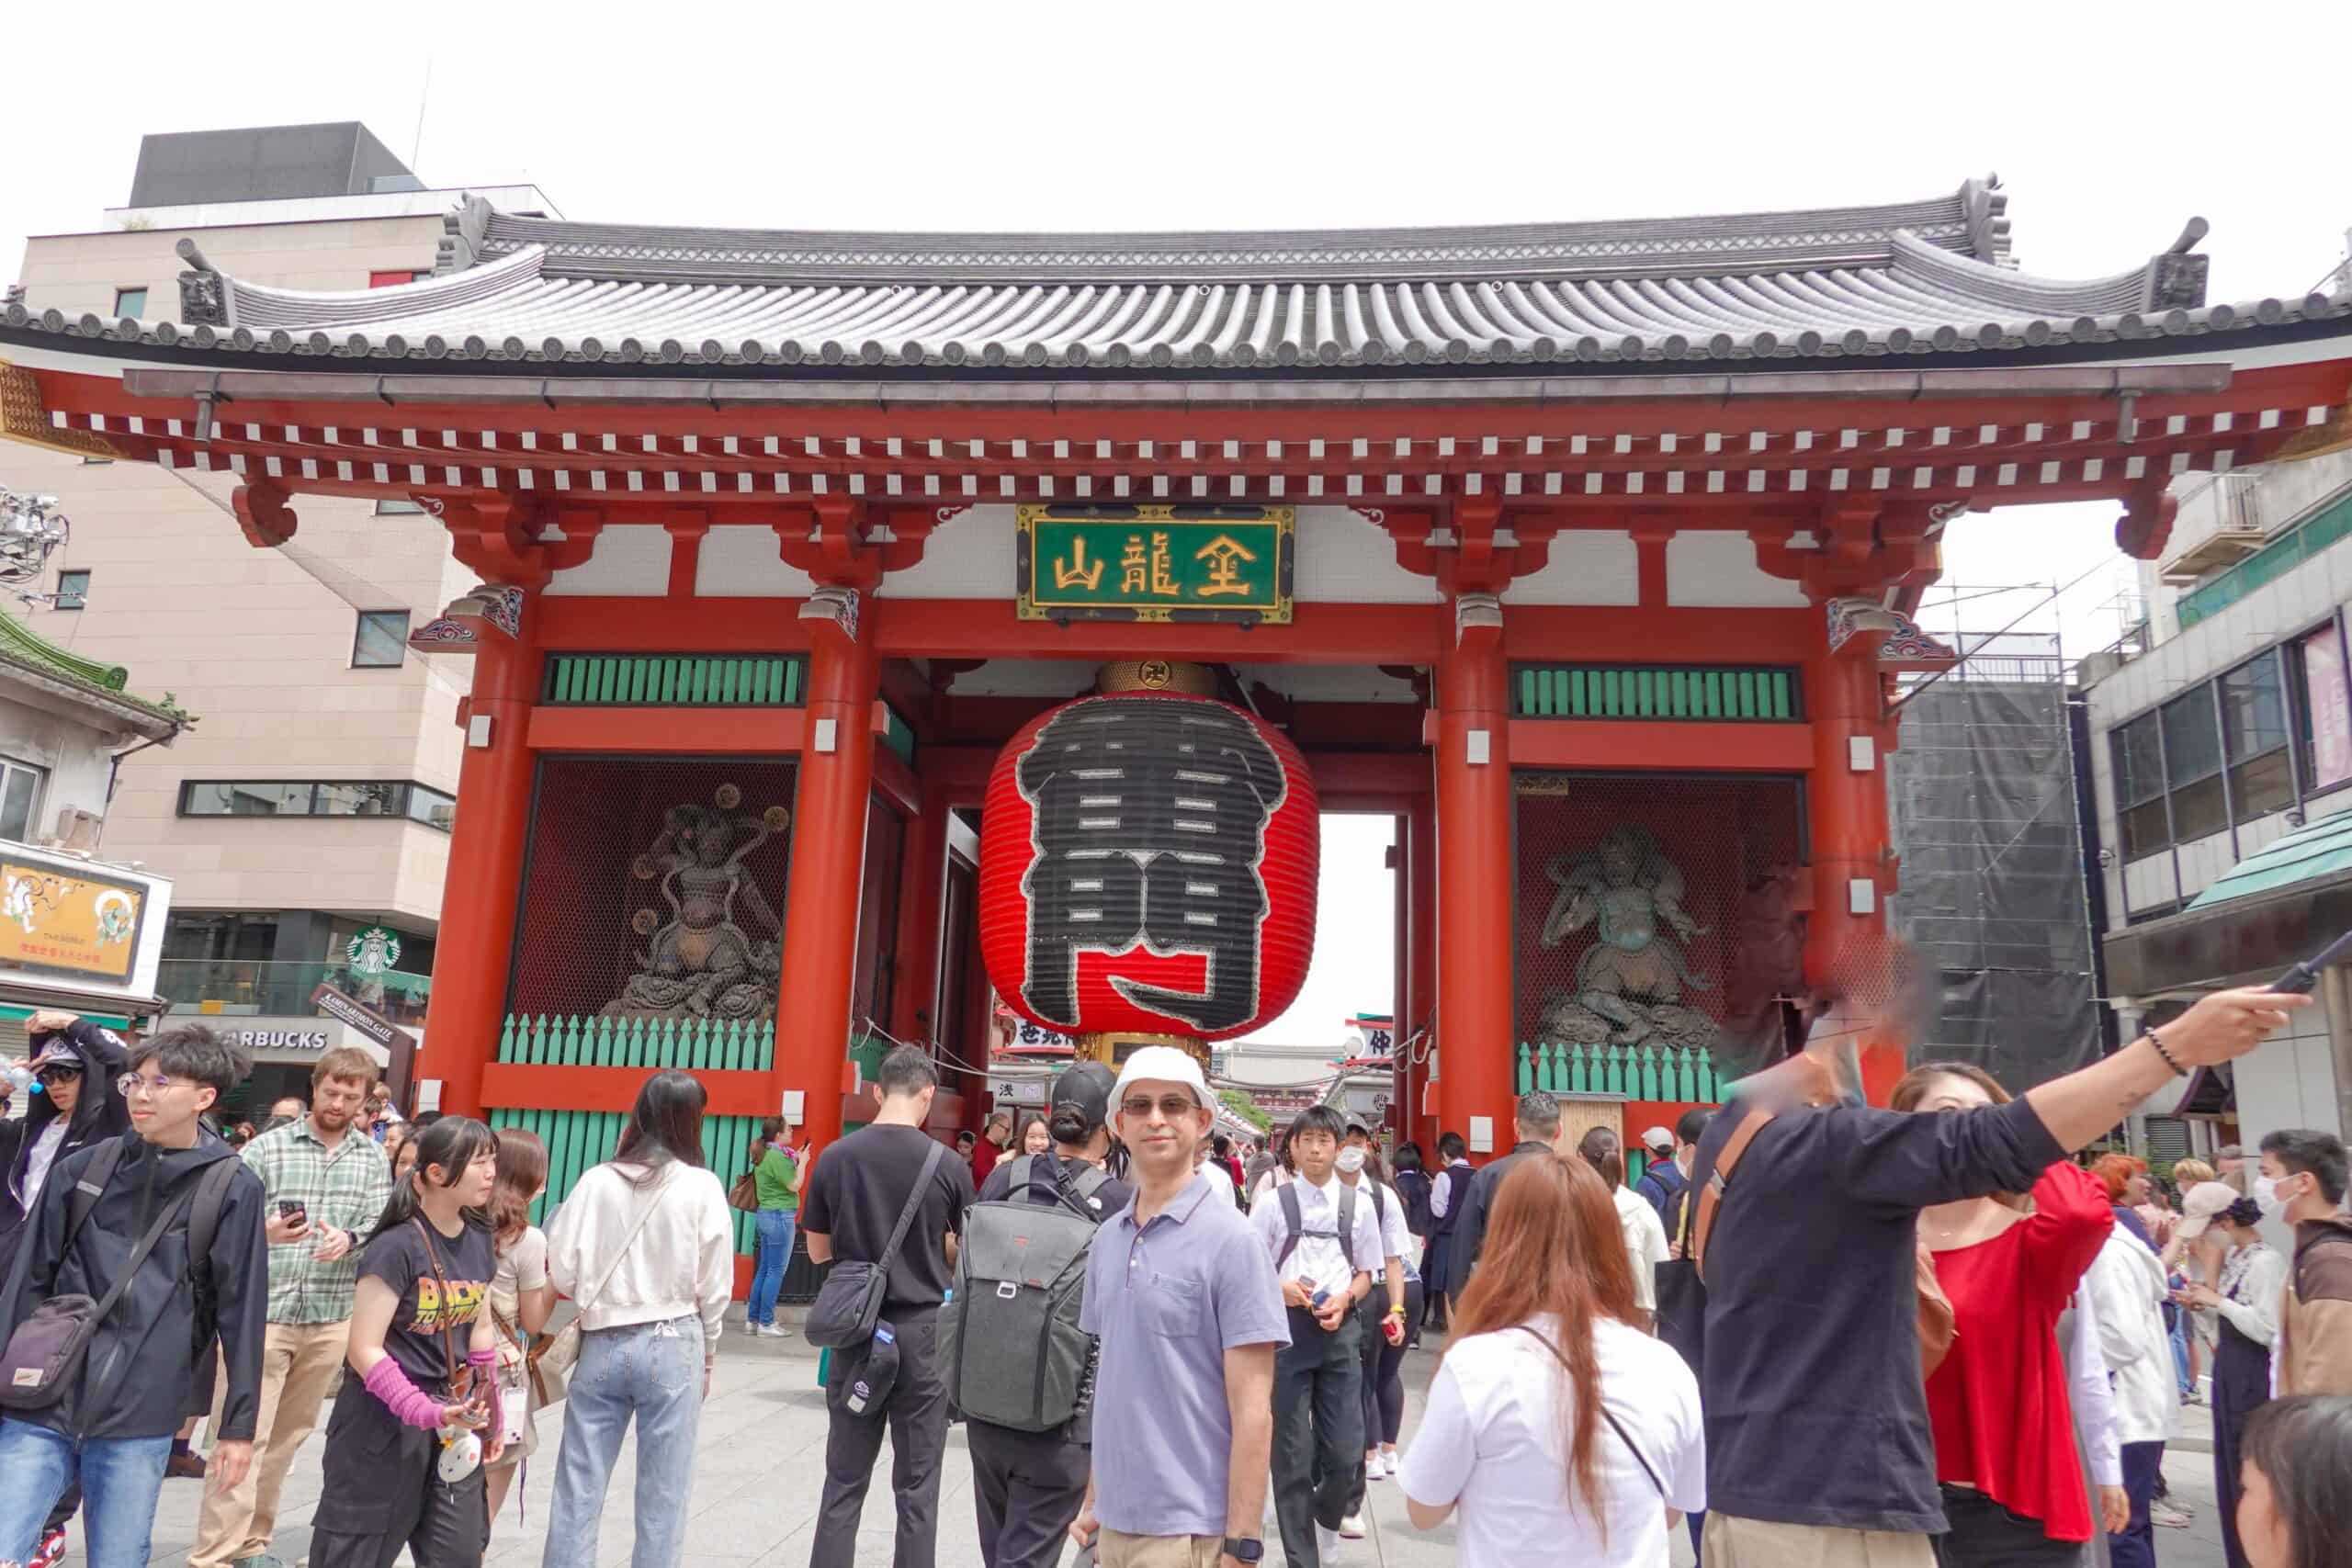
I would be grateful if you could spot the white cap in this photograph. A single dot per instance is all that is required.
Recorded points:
(2200, 1206)
(1162, 1064)
(1658, 1138)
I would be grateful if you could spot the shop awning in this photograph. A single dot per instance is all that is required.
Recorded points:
(2282, 903)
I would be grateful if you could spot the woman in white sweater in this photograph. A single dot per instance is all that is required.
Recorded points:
(646, 1247)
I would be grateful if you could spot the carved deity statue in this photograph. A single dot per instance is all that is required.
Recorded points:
(1630, 982)
(701, 962)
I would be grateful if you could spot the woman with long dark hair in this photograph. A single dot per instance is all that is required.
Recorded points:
(522, 1299)
(411, 1430)
(646, 1246)
(2013, 1488)
(2297, 1483)
(2245, 1304)
(1559, 1428)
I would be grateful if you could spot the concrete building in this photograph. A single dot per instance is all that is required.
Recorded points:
(314, 803)
(2221, 749)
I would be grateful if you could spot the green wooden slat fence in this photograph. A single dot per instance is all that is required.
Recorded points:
(1763, 694)
(1638, 1072)
(695, 1044)
(675, 680)
(578, 1139)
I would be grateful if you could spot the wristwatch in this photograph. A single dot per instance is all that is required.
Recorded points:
(1244, 1548)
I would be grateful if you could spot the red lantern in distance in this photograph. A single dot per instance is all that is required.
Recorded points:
(1148, 864)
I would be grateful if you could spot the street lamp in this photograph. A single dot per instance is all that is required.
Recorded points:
(30, 528)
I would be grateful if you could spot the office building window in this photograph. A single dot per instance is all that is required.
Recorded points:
(20, 787)
(130, 302)
(318, 798)
(381, 640)
(72, 589)
(2140, 786)
(2254, 734)
(394, 508)
(2193, 764)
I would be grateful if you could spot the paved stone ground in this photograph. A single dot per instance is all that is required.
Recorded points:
(761, 1465)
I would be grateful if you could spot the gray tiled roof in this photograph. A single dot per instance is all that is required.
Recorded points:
(1921, 277)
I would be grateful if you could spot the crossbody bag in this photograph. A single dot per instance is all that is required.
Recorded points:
(550, 1361)
(849, 1303)
(1606, 1414)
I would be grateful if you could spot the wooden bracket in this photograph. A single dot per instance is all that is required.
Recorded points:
(263, 514)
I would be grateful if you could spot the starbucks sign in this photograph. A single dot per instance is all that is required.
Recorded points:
(373, 951)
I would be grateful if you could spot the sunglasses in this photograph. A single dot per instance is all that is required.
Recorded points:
(1170, 1106)
(58, 1073)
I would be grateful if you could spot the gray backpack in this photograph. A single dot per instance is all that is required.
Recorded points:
(1009, 1338)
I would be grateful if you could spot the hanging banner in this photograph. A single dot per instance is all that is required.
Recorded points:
(2331, 708)
(1155, 563)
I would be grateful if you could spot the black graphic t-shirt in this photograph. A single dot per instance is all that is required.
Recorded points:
(427, 1318)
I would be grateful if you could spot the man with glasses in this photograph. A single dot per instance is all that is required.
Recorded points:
(1184, 1302)
(111, 1426)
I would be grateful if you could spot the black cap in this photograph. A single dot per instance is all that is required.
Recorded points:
(1085, 1088)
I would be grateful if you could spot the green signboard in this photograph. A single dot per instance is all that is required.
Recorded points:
(1156, 563)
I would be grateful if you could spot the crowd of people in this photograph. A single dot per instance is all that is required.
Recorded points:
(1813, 1333)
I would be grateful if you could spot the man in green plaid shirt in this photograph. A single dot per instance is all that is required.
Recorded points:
(341, 1179)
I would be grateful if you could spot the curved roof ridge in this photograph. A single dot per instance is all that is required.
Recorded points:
(264, 305)
(2010, 292)
(1966, 220)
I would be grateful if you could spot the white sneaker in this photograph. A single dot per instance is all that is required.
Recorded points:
(1327, 1545)
(1372, 1468)
(1351, 1527)
(1388, 1465)
(775, 1331)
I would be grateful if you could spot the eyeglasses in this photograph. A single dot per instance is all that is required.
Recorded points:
(133, 1083)
(1170, 1106)
(59, 1074)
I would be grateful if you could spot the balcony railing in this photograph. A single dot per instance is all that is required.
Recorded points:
(233, 986)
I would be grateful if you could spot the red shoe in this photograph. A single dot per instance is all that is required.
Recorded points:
(51, 1551)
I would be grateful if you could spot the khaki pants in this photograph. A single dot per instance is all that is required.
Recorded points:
(298, 1365)
(1733, 1542)
(1115, 1551)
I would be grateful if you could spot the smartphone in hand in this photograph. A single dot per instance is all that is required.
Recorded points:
(293, 1212)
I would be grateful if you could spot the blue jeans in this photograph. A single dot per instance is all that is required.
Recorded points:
(120, 1477)
(2180, 1354)
(654, 1372)
(775, 1229)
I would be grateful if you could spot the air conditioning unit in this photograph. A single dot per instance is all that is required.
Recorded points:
(77, 830)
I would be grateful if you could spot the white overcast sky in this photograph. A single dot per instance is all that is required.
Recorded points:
(2109, 126)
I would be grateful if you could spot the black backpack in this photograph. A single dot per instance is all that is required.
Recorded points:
(1294, 1222)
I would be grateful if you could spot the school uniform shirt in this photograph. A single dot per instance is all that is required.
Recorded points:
(1397, 1239)
(1317, 1257)
(1489, 1442)
(432, 1311)
(1645, 1244)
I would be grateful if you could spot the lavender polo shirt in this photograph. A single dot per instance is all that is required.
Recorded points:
(1167, 1301)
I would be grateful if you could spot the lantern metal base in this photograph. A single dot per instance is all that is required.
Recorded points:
(1112, 1047)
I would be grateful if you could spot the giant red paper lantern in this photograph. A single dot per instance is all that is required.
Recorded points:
(1147, 864)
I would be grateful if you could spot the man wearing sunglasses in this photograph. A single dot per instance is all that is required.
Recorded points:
(72, 1102)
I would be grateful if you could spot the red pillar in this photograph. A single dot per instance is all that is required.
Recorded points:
(480, 898)
(1475, 881)
(1847, 805)
(914, 999)
(828, 872)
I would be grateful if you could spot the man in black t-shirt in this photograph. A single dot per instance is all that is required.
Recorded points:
(1029, 1487)
(855, 1193)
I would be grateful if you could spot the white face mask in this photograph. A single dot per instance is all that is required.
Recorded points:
(1351, 1160)
(2265, 1195)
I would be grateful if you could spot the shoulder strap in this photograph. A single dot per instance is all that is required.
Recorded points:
(1606, 1414)
(914, 1201)
(1711, 1195)
(1379, 1202)
(89, 1186)
(1292, 1220)
(204, 1219)
(1348, 1224)
(171, 1211)
(441, 1281)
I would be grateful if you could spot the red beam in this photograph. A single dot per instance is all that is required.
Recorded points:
(513, 1084)
(1537, 632)
(1394, 781)
(672, 625)
(753, 732)
(1321, 634)
(1636, 745)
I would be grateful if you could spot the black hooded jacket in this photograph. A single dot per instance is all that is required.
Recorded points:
(98, 1115)
(137, 1379)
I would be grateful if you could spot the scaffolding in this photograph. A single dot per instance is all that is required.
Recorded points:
(1986, 795)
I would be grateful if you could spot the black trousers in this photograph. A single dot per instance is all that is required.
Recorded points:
(1026, 1488)
(1319, 1431)
(1433, 1267)
(2241, 1386)
(1985, 1535)
(916, 1413)
(1384, 1376)
(383, 1492)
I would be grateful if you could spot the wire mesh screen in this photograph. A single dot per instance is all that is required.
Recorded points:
(654, 894)
(1982, 810)
(1633, 893)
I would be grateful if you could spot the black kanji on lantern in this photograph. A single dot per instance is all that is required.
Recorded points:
(1149, 815)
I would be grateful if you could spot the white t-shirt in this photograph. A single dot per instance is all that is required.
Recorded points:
(1645, 1244)
(1319, 1257)
(1396, 1240)
(43, 1155)
(1489, 1442)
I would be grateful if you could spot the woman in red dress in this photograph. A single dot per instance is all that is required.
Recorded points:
(2013, 1488)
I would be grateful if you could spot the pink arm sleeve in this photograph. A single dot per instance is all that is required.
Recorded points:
(408, 1403)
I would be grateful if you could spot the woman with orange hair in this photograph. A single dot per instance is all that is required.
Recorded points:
(2125, 1179)
(1559, 1428)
